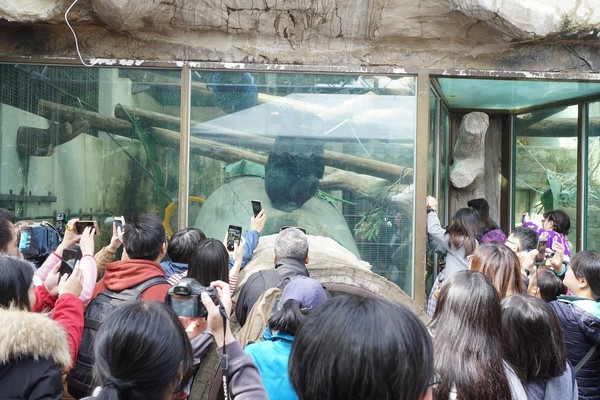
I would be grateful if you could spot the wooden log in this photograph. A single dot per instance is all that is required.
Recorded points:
(334, 159)
(352, 181)
(61, 113)
(162, 136)
(41, 142)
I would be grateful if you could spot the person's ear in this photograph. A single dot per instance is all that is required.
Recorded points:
(163, 249)
(582, 283)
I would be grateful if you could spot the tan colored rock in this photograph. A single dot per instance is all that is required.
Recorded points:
(332, 263)
(469, 150)
(530, 19)
(32, 10)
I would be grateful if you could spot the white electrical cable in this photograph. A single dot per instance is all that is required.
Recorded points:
(75, 35)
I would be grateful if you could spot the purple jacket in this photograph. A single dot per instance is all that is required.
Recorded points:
(552, 237)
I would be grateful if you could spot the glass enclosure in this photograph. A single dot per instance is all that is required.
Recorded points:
(546, 164)
(592, 127)
(73, 142)
(333, 154)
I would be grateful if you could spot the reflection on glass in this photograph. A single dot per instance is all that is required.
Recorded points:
(88, 142)
(546, 164)
(333, 154)
(593, 177)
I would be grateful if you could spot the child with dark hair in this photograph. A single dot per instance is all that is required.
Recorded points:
(555, 227)
(300, 298)
(579, 316)
(532, 340)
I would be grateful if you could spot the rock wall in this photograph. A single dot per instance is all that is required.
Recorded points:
(542, 35)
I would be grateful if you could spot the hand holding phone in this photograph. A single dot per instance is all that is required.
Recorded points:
(69, 258)
(540, 258)
(234, 234)
(256, 207)
(81, 225)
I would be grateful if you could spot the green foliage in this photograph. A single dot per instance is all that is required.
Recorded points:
(370, 224)
(550, 199)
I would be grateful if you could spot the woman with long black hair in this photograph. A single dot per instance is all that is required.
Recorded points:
(467, 343)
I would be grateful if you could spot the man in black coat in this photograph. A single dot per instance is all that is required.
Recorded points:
(291, 257)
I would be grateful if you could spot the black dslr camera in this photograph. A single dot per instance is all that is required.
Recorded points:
(184, 298)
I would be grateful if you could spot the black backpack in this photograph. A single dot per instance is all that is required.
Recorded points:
(80, 380)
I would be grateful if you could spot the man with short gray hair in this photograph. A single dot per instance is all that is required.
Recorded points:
(291, 257)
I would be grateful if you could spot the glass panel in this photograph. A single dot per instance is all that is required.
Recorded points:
(592, 128)
(546, 164)
(64, 151)
(505, 94)
(433, 181)
(333, 154)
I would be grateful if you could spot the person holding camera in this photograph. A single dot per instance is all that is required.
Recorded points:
(203, 311)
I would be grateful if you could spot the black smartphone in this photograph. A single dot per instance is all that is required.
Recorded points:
(297, 227)
(81, 225)
(234, 234)
(541, 255)
(256, 207)
(118, 223)
(69, 258)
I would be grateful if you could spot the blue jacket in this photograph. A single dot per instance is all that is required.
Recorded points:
(251, 237)
(580, 320)
(271, 357)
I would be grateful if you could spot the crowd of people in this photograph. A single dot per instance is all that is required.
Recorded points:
(150, 318)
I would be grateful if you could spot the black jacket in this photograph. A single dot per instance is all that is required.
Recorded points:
(33, 353)
(581, 326)
(255, 285)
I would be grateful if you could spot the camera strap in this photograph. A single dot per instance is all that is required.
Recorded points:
(224, 358)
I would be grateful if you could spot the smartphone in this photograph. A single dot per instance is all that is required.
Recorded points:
(118, 223)
(25, 239)
(81, 225)
(541, 255)
(256, 207)
(69, 258)
(297, 227)
(234, 234)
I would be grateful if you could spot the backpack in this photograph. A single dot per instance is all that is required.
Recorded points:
(261, 311)
(80, 379)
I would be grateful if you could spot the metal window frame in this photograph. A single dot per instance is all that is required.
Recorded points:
(424, 76)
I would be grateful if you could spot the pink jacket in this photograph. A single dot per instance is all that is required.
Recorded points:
(88, 268)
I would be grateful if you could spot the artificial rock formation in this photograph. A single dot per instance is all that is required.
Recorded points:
(469, 150)
(507, 34)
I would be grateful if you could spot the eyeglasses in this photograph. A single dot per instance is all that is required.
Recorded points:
(435, 381)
